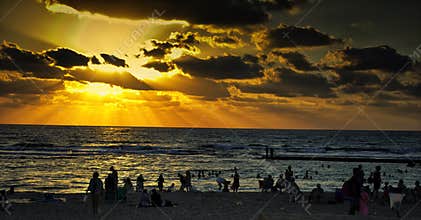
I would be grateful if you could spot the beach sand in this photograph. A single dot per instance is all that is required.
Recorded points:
(208, 205)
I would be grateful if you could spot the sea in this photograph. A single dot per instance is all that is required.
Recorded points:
(61, 159)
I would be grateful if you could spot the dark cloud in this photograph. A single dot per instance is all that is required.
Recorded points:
(358, 78)
(67, 58)
(368, 82)
(95, 60)
(122, 79)
(42, 66)
(176, 40)
(290, 37)
(184, 39)
(380, 57)
(219, 12)
(293, 84)
(160, 66)
(160, 49)
(113, 60)
(248, 58)
(199, 87)
(27, 63)
(296, 59)
(224, 67)
(18, 85)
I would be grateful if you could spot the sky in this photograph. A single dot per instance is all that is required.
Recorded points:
(304, 64)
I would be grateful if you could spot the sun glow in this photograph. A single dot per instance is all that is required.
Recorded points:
(93, 89)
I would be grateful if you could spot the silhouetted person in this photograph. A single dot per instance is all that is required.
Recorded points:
(401, 187)
(156, 198)
(280, 183)
(220, 182)
(109, 188)
(236, 182)
(377, 181)
(160, 181)
(182, 180)
(306, 176)
(96, 189)
(354, 188)
(226, 184)
(289, 174)
(188, 181)
(417, 190)
(171, 188)
(267, 153)
(360, 175)
(114, 174)
(140, 181)
(145, 200)
(316, 194)
(128, 185)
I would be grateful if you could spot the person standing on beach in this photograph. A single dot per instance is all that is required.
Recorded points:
(140, 183)
(96, 189)
(377, 180)
(289, 174)
(109, 187)
(353, 188)
(114, 175)
(160, 181)
(188, 181)
(236, 182)
(360, 175)
(182, 180)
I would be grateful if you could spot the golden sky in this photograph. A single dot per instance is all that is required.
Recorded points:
(262, 64)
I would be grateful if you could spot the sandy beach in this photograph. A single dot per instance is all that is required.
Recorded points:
(209, 205)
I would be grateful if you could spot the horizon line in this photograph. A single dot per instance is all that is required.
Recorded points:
(199, 127)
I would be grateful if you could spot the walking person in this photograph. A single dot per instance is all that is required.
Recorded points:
(96, 189)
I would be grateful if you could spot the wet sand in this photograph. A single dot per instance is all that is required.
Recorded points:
(195, 206)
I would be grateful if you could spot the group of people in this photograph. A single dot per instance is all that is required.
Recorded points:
(359, 194)
(353, 189)
(113, 192)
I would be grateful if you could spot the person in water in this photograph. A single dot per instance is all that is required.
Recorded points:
(160, 181)
(96, 189)
(236, 182)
